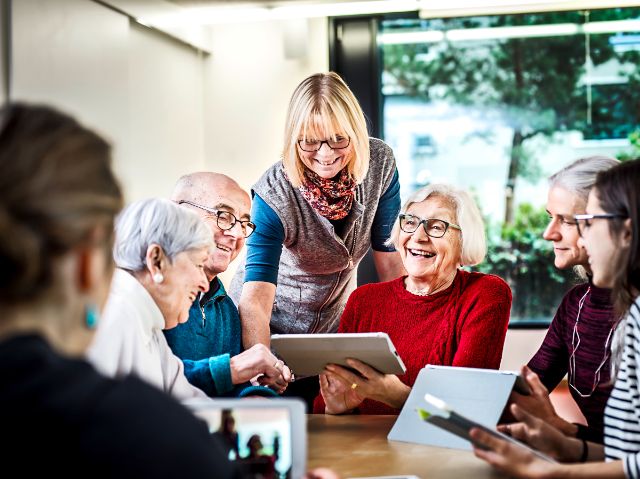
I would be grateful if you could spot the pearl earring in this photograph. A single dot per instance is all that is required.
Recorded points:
(158, 278)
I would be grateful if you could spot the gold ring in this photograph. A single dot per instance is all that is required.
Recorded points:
(354, 385)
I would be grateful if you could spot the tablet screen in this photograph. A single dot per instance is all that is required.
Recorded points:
(258, 440)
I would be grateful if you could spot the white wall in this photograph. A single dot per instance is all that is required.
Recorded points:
(520, 346)
(248, 84)
(165, 111)
(139, 88)
(249, 81)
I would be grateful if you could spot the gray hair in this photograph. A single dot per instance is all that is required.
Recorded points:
(579, 176)
(157, 221)
(467, 216)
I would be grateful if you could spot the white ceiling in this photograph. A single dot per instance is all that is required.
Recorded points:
(262, 3)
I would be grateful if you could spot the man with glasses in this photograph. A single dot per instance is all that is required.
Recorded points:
(210, 342)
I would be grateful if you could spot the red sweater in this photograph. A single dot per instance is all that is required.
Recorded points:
(464, 325)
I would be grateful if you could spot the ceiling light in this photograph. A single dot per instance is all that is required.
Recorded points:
(467, 8)
(216, 15)
(501, 33)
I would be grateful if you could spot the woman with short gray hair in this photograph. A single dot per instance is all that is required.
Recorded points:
(437, 314)
(160, 252)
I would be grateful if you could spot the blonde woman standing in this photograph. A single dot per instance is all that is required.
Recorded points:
(334, 195)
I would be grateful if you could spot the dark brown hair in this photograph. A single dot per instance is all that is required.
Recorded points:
(618, 191)
(56, 187)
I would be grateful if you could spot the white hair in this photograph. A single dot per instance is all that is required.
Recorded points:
(467, 216)
(157, 221)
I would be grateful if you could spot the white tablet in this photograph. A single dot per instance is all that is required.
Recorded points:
(308, 354)
(265, 437)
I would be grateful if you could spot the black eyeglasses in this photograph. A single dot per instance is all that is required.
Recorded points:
(309, 145)
(585, 220)
(432, 226)
(224, 219)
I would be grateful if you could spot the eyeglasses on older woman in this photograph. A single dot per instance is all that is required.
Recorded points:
(434, 227)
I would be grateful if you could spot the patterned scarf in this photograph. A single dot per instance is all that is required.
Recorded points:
(332, 198)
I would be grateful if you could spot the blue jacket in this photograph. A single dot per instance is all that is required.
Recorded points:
(206, 342)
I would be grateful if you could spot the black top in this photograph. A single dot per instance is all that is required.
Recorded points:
(60, 416)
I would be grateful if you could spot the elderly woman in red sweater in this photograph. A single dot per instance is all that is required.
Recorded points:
(437, 314)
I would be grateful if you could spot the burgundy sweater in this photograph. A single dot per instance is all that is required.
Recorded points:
(464, 325)
(551, 362)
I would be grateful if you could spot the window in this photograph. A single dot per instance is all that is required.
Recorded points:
(495, 104)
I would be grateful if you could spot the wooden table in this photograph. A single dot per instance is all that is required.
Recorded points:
(355, 445)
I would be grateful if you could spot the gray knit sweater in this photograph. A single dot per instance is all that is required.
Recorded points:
(317, 270)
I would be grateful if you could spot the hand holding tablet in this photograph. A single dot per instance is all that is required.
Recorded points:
(443, 416)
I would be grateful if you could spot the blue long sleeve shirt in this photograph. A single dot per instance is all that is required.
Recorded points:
(208, 340)
(264, 246)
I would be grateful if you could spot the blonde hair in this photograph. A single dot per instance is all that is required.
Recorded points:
(324, 103)
(467, 216)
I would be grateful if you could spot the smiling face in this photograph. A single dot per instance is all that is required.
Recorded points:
(227, 243)
(431, 262)
(562, 231)
(325, 162)
(184, 279)
(219, 192)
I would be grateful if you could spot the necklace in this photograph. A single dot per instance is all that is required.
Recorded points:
(427, 291)
(419, 292)
(575, 343)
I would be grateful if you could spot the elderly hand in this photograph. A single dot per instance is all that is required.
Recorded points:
(275, 382)
(339, 398)
(542, 436)
(259, 361)
(370, 383)
(510, 458)
(539, 404)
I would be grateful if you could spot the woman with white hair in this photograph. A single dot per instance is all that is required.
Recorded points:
(160, 253)
(437, 314)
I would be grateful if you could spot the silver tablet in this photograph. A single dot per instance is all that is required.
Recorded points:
(265, 437)
(307, 354)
